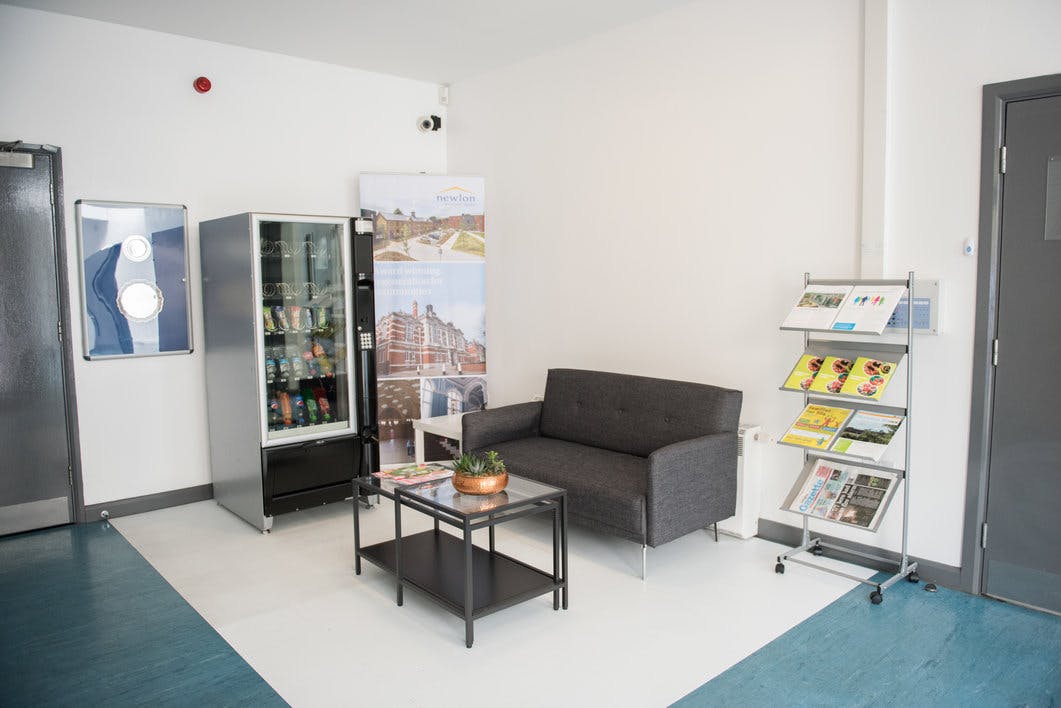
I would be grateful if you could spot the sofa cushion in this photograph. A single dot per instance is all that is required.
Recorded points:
(633, 414)
(606, 486)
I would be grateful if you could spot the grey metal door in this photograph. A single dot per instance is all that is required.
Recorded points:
(1022, 562)
(35, 486)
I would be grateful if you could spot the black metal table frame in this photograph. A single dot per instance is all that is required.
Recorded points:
(556, 502)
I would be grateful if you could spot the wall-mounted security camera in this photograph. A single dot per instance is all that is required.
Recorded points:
(427, 124)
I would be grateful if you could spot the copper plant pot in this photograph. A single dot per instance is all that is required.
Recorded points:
(480, 485)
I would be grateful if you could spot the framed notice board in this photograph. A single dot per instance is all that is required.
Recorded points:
(134, 279)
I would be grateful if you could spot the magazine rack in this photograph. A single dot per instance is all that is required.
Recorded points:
(815, 545)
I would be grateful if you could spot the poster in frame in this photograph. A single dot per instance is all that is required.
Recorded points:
(133, 263)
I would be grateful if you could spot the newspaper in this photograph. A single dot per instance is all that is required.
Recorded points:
(843, 493)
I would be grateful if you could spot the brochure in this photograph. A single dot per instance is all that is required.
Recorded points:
(414, 474)
(867, 434)
(868, 377)
(817, 307)
(844, 493)
(803, 373)
(832, 376)
(868, 308)
(816, 426)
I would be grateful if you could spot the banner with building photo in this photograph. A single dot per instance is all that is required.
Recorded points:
(429, 249)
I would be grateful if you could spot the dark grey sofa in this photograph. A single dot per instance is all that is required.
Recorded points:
(646, 459)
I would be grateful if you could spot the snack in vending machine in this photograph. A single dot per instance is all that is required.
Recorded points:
(270, 324)
(322, 403)
(281, 317)
(298, 366)
(312, 367)
(284, 366)
(298, 408)
(322, 317)
(311, 406)
(274, 413)
(270, 369)
(307, 318)
(294, 317)
(323, 362)
(286, 413)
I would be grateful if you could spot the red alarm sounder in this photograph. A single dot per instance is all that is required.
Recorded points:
(202, 84)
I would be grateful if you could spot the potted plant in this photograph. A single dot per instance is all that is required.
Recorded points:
(479, 474)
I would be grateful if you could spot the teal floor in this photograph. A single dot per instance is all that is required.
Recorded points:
(916, 649)
(86, 621)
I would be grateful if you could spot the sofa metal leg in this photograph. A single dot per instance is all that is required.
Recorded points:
(644, 561)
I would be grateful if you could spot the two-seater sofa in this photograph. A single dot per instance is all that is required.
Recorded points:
(646, 459)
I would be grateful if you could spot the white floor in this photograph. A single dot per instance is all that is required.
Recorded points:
(290, 604)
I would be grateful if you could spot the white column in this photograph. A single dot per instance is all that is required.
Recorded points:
(874, 137)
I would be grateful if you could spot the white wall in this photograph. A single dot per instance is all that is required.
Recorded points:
(656, 193)
(943, 52)
(658, 190)
(275, 134)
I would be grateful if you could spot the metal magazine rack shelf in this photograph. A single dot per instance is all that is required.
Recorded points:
(872, 346)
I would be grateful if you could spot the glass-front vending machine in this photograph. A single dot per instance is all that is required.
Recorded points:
(289, 325)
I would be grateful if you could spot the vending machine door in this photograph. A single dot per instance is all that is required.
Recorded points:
(304, 328)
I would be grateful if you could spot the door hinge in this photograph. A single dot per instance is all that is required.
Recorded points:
(983, 536)
(1002, 159)
(994, 353)
(59, 329)
(70, 475)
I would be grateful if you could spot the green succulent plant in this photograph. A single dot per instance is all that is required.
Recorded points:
(494, 462)
(487, 465)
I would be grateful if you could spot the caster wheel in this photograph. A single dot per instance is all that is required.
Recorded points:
(913, 577)
(931, 587)
(779, 568)
(817, 550)
(876, 597)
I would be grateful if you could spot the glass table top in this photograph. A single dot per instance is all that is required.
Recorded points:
(441, 493)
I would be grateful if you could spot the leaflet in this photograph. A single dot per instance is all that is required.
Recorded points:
(817, 307)
(868, 308)
(832, 376)
(803, 373)
(817, 426)
(867, 434)
(868, 377)
(414, 474)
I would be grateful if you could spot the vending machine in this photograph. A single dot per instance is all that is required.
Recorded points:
(290, 367)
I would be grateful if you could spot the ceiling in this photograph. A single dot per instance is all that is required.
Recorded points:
(441, 42)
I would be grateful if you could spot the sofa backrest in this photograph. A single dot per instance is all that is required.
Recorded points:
(633, 414)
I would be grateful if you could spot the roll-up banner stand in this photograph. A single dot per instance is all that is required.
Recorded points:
(429, 251)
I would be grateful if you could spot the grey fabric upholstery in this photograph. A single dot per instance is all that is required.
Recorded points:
(481, 429)
(605, 486)
(641, 458)
(633, 414)
(691, 484)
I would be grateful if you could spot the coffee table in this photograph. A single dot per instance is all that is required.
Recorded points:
(468, 580)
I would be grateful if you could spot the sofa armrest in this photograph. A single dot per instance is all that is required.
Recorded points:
(691, 484)
(481, 429)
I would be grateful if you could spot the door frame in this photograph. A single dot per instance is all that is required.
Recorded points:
(62, 283)
(996, 98)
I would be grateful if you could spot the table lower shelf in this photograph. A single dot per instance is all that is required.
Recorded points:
(433, 562)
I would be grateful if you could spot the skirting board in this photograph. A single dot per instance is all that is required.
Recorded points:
(946, 575)
(148, 502)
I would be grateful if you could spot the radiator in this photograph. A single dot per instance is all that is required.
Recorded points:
(745, 523)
